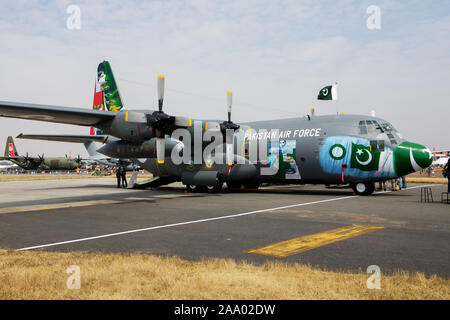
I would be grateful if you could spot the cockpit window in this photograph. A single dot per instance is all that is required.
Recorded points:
(362, 128)
(392, 139)
(387, 127)
(374, 127)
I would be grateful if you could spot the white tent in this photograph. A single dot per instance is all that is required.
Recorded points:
(440, 162)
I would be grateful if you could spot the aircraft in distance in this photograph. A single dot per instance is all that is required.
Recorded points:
(90, 142)
(334, 149)
(40, 162)
(7, 165)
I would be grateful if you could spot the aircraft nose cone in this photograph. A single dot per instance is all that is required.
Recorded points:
(410, 157)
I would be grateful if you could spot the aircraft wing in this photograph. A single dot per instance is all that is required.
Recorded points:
(67, 115)
(64, 137)
(10, 158)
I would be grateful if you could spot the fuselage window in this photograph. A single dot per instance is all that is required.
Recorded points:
(373, 146)
(376, 145)
(362, 127)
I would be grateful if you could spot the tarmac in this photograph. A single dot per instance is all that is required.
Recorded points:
(328, 228)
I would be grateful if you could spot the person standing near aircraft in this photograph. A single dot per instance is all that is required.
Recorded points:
(123, 174)
(118, 176)
(446, 173)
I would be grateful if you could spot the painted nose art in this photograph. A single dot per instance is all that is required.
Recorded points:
(410, 157)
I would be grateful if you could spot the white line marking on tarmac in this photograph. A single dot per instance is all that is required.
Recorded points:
(194, 221)
(184, 223)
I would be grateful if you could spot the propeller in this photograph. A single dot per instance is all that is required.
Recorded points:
(27, 158)
(161, 122)
(78, 159)
(164, 123)
(229, 125)
(41, 158)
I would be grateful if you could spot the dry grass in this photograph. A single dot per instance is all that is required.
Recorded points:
(426, 180)
(42, 275)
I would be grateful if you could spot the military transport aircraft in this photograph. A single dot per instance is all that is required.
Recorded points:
(39, 162)
(90, 142)
(335, 149)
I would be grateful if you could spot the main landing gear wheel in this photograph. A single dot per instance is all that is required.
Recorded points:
(211, 189)
(363, 188)
(192, 188)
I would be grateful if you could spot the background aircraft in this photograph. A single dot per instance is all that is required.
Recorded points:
(91, 143)
(7, 165)
(39, 162)
(343, 149)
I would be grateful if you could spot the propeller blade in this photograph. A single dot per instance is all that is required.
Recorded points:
(160, 150)
(229, 104)
(230, 155)
(160, 92)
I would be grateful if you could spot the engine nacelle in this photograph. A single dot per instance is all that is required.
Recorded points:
(202, 178)
(130, 126)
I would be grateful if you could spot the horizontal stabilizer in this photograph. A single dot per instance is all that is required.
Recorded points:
(64, 137)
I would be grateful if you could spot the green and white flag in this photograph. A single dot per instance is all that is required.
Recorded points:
(328, 93)
(363, 159)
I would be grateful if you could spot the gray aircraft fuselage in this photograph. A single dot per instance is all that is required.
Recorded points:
(321, 149)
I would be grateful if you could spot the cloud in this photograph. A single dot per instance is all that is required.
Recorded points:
(273, 55)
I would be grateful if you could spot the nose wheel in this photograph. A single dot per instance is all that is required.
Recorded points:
(363, 188)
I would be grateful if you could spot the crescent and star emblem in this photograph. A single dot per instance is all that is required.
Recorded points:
(360, 152)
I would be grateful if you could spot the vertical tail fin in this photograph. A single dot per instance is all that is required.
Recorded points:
(106, 93)
(10, 149)
(111, 95)
(97, 103)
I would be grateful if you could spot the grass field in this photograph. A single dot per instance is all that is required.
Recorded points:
(42, 275)
(426, 180)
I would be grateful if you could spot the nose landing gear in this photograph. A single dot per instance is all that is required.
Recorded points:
(363, 188)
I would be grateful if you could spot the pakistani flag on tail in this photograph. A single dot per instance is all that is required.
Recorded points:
(328, 93)
(363, 159)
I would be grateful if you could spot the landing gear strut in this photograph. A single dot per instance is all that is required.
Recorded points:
(363, 188)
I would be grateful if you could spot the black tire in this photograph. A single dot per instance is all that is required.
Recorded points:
(192, 188)
(363, 188)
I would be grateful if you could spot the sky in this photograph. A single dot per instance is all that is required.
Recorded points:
(274, 55)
